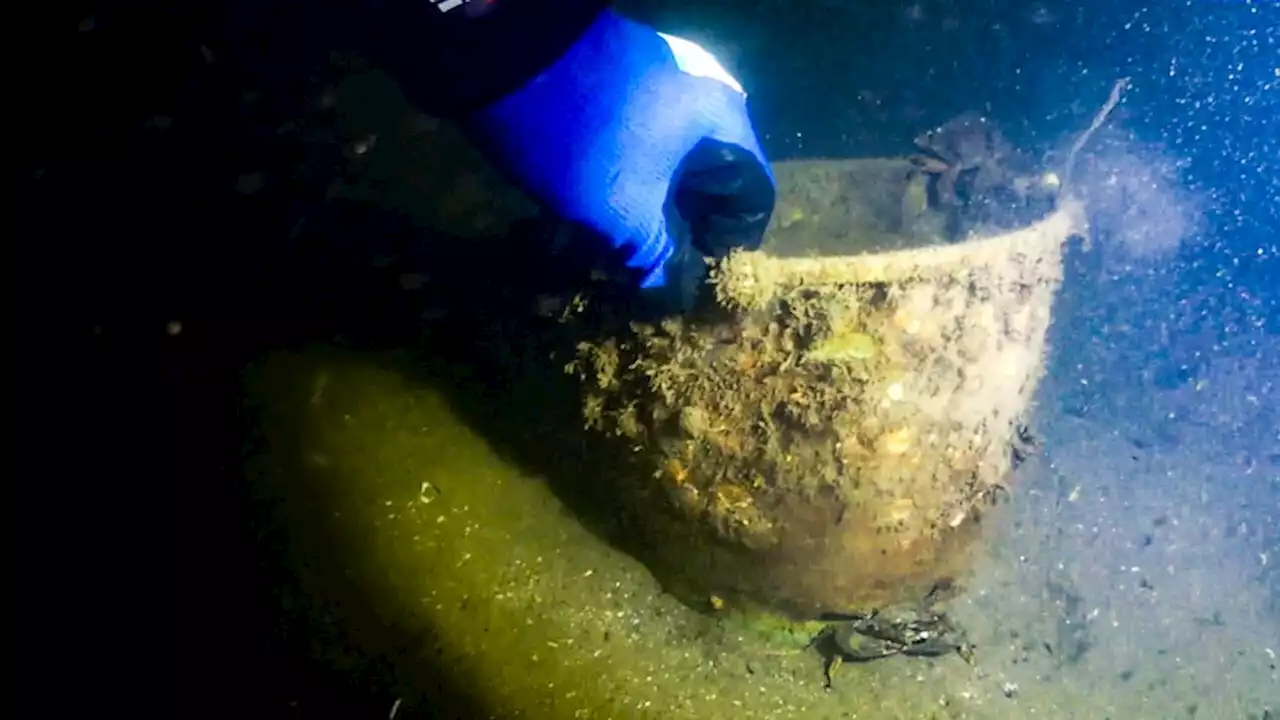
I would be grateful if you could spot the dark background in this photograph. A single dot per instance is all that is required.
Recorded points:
(122, 229)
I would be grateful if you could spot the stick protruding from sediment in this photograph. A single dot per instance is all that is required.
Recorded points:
(1113, 99)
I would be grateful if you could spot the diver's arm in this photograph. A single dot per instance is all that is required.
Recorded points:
(455, 56)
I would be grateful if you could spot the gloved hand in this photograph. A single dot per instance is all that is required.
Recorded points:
(644, 139)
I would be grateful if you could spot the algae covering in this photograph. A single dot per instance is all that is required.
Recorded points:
(825, 438)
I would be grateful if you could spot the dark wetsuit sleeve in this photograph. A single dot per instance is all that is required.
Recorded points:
(454, 56)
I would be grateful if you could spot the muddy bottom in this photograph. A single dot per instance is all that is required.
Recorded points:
(424, 548)
(439, 566)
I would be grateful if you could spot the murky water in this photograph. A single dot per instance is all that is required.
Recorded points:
(443, 527)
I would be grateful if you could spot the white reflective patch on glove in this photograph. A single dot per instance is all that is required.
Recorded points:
(694, 59)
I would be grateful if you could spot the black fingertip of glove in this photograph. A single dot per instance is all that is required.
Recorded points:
(725, 195)
(566, 254)
(685, 272)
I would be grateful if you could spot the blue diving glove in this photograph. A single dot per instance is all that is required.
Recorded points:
(644, 139)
